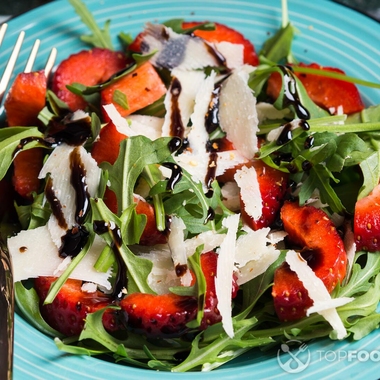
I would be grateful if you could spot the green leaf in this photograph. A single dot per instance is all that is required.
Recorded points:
(278, 47)
(14, 140)
(136, 153)
(138, 268)
(120, 98)
(99, 37)
(28, 303)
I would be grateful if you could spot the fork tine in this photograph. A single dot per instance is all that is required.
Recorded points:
(50, 62)
(32, 56)
(10, 65)
(3, 29)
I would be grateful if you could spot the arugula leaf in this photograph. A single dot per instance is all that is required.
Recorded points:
(15, 139)
(99, 37)
(28, 303)
(136, 153)
(138, 268)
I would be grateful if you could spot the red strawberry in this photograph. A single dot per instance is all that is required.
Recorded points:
(273, 186)
(209, 263)
(26, 168)
(88, 67)
(310, 230)
(164, 315)
(367, 222)
(69, 309)
(224, 33)
(141, 88)
(106, 147)
(220, 34)
(25, 100)
(326, 92)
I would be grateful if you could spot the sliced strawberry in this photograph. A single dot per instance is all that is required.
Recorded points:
(367, 222)
(223, 33)
(273, 186)
(26, 168)
(69, 309)
(141, 88)
(26, 98)
(209, 262)
(164, 315)
(88, 67)
(310, 230)
(328, 93)
(106, 148)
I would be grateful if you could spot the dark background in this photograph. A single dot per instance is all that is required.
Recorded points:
(17, 7)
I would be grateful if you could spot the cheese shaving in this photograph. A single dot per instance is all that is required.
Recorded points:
(323, 304)
(225, 270)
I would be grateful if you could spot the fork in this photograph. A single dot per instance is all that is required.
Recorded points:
(6, 278)
(29, 64)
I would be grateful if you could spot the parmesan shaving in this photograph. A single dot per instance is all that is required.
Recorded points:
(225, 270)
(323, 304)
(237, 113)
(178, 249)
(246, 179)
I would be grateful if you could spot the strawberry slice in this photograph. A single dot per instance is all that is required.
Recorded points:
(26, 98)
(209, 262)
(310, 230)
(140, 88)
(69, 309)
(367, 222)
(26, 168)
(328, 93)
(222, 33)
(164, 315)
(106, 148)
(273, 186)
(88, 67)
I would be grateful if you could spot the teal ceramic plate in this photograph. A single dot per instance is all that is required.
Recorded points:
(330, 35)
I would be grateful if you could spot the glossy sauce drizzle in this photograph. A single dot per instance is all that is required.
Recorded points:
(291, 96)
(177, 128)
(102, 227)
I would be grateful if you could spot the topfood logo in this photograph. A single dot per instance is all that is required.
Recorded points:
(294, 356)
(293, 360)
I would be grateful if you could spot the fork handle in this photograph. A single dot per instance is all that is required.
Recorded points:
(6, 314)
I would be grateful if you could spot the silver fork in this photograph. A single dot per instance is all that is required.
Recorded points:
(29, 64)
(6, 278)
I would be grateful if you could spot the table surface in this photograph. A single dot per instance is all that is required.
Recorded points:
(17, 7)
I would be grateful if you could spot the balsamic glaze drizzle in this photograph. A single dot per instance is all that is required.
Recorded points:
(102, 227)
(177, 128)
(78, 181)
(175, 176)
(291, 96)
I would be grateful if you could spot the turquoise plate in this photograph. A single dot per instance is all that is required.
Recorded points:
(330, 35)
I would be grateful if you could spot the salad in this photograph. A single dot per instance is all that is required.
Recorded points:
(177, 222)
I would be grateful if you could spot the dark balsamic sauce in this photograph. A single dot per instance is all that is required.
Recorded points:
(212, 115)
(174, 144)
(309, 142)
(55, 204)
(101, 227)
(78, 181)
(71, 132)
(177, 128)
(285, 135)
(176, 174)
(291, 96)
(73, 241)
(181, 269)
